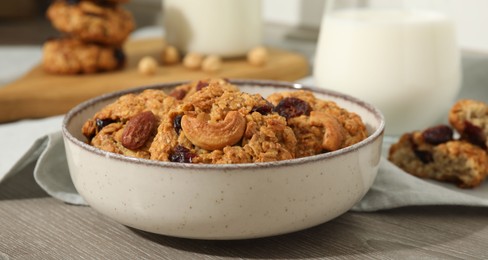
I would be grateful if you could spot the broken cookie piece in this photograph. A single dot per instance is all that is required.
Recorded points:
(470, 119)
(434, 154)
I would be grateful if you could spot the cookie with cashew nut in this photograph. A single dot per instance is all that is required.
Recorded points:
(217, 123)
(212, 121)
(319, 125)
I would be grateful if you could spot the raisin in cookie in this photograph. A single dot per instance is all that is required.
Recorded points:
(320, 126)
(108, 127)
(212, 121)
(71, 56)
(433, 154)
(470, 119)
(89, 22)
(217, 123)
(184, 91)
(102, 2)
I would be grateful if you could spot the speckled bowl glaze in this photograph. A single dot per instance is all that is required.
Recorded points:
(224, 201)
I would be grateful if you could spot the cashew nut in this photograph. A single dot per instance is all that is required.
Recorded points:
(334, 132)
(214, 136)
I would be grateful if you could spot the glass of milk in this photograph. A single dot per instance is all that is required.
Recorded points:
(401, 56)
(229, 28)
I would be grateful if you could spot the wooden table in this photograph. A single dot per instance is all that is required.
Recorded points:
(36, 226)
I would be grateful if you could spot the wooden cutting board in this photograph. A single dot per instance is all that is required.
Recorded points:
(38, 94)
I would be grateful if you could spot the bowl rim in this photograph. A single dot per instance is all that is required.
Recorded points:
(239, 82)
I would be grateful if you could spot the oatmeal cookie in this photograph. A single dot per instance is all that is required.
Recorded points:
(434, 154)
(219, 124)
(184, 91)
(89, 22)
(71, 56)
(470, 119)
(212, 121)
(105, 129)
(320, 126)
(102, 2)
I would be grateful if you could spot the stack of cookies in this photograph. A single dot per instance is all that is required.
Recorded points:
(94, 32)
(457, 153)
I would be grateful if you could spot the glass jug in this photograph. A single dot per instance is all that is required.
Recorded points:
(400, 56)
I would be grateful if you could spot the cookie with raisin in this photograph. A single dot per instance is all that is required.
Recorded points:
(104, 2)
(217, 123)
(319, 125)
(72, 56)
(470, 119)
(434, 154)
(88, 21)
(182, 92)
(212, 121)
(106, 128)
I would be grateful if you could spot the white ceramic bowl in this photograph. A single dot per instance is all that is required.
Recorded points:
(224, 201)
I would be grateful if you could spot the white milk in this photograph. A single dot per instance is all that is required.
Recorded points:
(229, 28)
(405, 63)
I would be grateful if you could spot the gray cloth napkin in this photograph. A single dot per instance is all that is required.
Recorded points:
(52, 173)
(392, 188)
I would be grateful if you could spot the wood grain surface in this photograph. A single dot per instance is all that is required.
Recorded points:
(36, 226)
(38, 94)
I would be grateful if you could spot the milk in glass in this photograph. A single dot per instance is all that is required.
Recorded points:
(406, 63)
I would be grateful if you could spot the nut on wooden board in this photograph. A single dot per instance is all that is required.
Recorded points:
(37, 94)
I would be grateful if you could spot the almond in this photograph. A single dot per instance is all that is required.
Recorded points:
(138, 130)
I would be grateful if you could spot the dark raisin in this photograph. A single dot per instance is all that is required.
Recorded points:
(101, 123)
(437, 134)
(181, 154)
(177, 124)
(94, 14)
(292, 107)
(263, 109)
(474, 134)
(72, 2)
(424, 156)
(179, 94)
(106, 3)
(120, 57)
(201, 84)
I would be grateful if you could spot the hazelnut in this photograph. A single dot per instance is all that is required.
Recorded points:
(258, 56)
(212, 63)
(147, 65)
(193, 60)
(170, 55)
